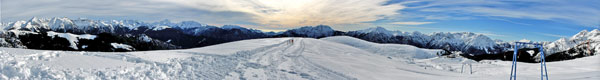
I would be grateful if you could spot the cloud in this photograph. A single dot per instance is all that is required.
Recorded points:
(301, 12)
(271, 13)
(491, 34)
(580, 12)
(506, 20)
(412, 23)
(145, 10)
(551, 35)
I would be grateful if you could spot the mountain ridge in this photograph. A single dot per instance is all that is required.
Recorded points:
(190, 34)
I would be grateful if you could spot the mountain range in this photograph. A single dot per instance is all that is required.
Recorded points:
(132, 35)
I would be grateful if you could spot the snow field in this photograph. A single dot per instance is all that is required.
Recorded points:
(332, 58)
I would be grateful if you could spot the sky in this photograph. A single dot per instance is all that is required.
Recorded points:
(508, 20)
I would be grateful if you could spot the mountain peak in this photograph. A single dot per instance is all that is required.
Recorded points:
(585, 33)
(323, 27)
(32, 19)
(525, 40)
(318, 28)
(232, 27)
(595, 31)
(62, 18)
(165, 22)
(310, 31)
(377, 29)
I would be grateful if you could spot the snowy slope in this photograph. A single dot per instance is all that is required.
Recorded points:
(278, 58)
(581, 38)
(468, 42)
(395, 50)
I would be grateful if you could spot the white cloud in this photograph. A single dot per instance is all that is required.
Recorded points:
(411, 23)
(147, 10)
(552, 35)
(506, 20)
(273, 13)
(492, 34)
(301, 12)
(580, 12)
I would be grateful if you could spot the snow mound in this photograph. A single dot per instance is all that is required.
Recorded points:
(395, 50)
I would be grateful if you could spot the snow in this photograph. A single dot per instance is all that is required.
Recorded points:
(84, 46)
(72, 38)
(525, 40)
(121, 46)
(380, 30)
(87, 36)
(18, 32)
(160, 28)
(317, 31)
(61, 23)
(395, 50)
(562, 44)
(331, 58)
(229, 27)
(36, 24)
(189, 24)
(65, 24)
(461, 40)
(146, 38)
(237, 46)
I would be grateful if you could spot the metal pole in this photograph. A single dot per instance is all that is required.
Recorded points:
(513, 69)
(543, 67)
(462, 68)
(513, 63)
(541, 62)
(516, 58)
(546, 69)
(544, 59)
(471, 68)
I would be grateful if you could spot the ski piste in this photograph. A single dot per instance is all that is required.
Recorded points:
(337, 58)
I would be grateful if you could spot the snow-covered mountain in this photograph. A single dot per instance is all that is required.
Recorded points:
(89, 26)
(189, 34)
(466, 41)
(582, 38)
(329, 58)
(582, 44)
(67, 25)
(186, 34)
(318, 31)
(476, 45)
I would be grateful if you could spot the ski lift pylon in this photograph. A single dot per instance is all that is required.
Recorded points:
(543, 69)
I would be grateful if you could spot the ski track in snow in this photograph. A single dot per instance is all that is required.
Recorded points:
(209, 66)
(304, 59)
